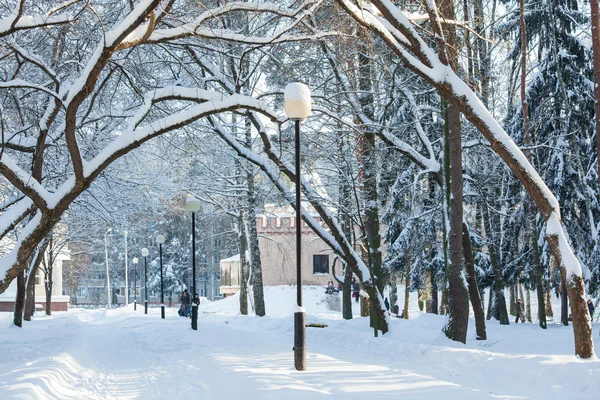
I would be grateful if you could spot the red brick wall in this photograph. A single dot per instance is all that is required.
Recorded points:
(9, 306)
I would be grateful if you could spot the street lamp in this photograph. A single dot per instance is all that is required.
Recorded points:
(297, 106)
(108, 300)
(126, 274)
(192, 204)
(145, 254)
(160, 239)
(135, 261)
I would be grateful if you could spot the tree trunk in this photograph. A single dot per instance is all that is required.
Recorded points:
(528, 306)
(512, 300)
(499, 304)
(548, 291)
(520, 293)
(444, 302)
(564, 302)
(368, 162)
(434, 294)
(458, 303)
(489, 307)
(48, 286)
(19, 300)
(347, 294)
(257, 281)
(30, 296)
(595, 20)
(539, 284)
(393, 292)
(472, 283)
(406, 293)
(243, 264)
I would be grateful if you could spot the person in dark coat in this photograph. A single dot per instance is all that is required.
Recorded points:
(519, 312)
(356, 291)
(186, 302)
(591, 308)
(387, 305)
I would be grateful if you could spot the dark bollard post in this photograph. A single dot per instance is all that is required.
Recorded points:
(300, 341)
(145, 254)
(195, 316)
(160, 239)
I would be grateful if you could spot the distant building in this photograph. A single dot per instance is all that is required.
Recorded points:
(59, 301)
(277, 243)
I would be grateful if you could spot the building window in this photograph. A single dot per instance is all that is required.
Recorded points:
(321, 264)
(38, 278)
(82, 291)
(278, 222)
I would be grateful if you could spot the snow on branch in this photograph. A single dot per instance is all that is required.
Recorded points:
(16, 21)
(24, 182)
(570, 262)
(211, 103)
(20, 83)
(11, 217)
(193, 28)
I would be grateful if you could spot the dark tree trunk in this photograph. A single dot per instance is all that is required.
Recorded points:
(473, 287)
(548, 291)
(444, 302)
(434, 294)
(407, 293)
(347, 294)
(243, 265)
(257, 281)
(30, 296)
(393, 292)
(513, 299)
(595, 16)
(490, 300)
(368, 161)
(30, 300)
(499, 305)
(564, 303)
(19, 300)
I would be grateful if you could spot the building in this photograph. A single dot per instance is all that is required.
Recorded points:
(277, 244)
(59, 301)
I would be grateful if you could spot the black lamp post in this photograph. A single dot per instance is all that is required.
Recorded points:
(145, 254)
(192, 204)
(135, 261)
(160, 239)
(297, 106)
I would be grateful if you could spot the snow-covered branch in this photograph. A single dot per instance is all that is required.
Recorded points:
(16, 21)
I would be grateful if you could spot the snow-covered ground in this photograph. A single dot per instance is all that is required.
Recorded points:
(99, 354)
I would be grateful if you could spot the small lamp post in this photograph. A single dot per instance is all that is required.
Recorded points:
(108, 299)
(297, 106)
(126, 274)
(160, 239)
(135, 261)
(192, 204)
(145, 254)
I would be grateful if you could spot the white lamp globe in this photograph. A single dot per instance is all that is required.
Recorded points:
(135, 260)
(160, 239)
(192, 204)
(145, 252)
(297, 103)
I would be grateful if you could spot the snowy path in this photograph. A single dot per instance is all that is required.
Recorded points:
(135, 356)
(122, 354)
